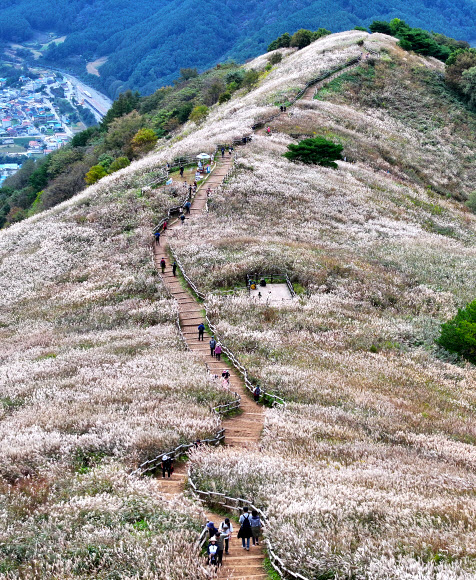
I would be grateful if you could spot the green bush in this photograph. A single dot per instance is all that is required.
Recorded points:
(317, 151)
(199, 114)
(471, 203)
(224, 97)
(459, 334)
(96, 173)
(275, 58)
(119, 163)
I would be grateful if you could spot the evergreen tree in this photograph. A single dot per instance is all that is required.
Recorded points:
(459, 334)
(317, 151)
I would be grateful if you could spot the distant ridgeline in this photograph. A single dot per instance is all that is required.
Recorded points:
(147, 42)
(133, 125)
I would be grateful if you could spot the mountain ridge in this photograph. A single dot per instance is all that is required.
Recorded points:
(146, 49)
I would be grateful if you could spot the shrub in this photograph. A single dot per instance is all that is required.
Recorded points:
(301, 38)
(251, 78)
(471, 203)
(459, 334)
(119, 163)
(275, 58)
(318, 151)
(96, 173)
(380, 26)
(143, 141)
(362, 28)
(199, 113)
(224, 97)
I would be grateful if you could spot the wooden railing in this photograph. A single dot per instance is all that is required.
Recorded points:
(227, 502)
(267, 397)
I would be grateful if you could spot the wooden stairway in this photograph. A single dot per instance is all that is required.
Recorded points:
(242, 430)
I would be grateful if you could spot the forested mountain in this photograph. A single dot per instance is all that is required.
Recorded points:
(146, 43)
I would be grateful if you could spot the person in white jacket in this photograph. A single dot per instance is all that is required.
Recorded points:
(226, 529)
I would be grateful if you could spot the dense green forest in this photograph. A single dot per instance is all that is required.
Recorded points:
(148, 43)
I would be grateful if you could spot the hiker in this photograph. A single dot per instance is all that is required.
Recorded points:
(213, 344)
(164, 227)
(201, 330)
(256, 393)
(226, 528)
(211, 529)
(187, 207)
(162, 265)
(167, 465)
(223, 152)
(230, 150)
(284, 108)
(220, 540)
(157, 238)
(268, 130)
(209, 191)
(225, 378)
(245, 529)
(255, 527)
(212, 553)
(198, 442)
(174, 268)
(281, 108)
(217, 352)
(190, 190)
(182, 218)
(181, 171)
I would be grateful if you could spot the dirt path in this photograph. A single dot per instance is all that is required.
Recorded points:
(307, 96)
(242, 430)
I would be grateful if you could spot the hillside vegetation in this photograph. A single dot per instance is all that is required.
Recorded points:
(370, 470)
(146, 44)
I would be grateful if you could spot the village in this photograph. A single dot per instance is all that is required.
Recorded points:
(38, 116)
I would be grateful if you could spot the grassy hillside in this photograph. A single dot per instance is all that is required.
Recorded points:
(94, 379)
(369, 468)
(146, 44)
(369, 473)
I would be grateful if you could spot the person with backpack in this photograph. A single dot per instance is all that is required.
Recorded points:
(255, 527)
(182, 218)
(201, 330)
(167, 465)
(256, 393)
(220, 539)
(187, 207)
(245, 529)
(174, 268)
(226, 529)
(157, 238)
(162, 265)
(213, 344)
(217, 352)
(181, 171)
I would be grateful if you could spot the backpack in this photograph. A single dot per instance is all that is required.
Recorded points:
(246, 523)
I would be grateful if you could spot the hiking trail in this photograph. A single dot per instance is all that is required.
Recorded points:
(243, 430)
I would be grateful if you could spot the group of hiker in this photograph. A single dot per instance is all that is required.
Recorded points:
(215, 347)
(163, 265)
(219, 539)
